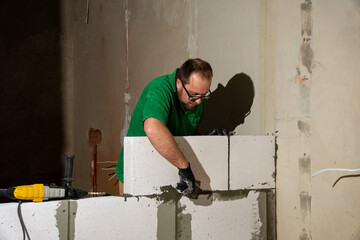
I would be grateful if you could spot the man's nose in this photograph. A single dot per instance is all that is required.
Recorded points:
(198, 101)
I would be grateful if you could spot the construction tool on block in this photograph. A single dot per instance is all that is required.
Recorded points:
(41, 192)
(197, 190)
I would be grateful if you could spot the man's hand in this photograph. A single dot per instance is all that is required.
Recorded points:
(187, 181)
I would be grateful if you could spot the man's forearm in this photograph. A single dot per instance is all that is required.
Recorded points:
(164, 142)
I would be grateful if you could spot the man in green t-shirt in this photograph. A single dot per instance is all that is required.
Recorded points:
(171, 105)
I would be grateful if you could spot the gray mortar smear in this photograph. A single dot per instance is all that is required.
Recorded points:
(229, 195)
(170, 196)
(304, 127)
(166, 213)
(65, 219)
(305, 235)
(306, 18)
(305, 166)
(305, 100)
(305, 204)
(307, 55)
(263, 218)
(72, 214)
(305, 196)
(61, 217)
(169, 193)
(183, 223)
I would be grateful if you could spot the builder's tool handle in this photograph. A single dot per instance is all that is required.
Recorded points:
(69, 170)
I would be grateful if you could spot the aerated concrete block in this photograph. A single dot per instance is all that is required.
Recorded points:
(252, 162)
(223, 215)
(145, 171)
(122, 218)
(44, 220)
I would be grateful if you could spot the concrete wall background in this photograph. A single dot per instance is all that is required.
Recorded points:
(99, 86)
(229, 35)
(302, 57)
(313, 65)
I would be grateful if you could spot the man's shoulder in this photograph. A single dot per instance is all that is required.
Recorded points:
(163, 83)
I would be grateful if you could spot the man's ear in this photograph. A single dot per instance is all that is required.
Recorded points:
(178, 83)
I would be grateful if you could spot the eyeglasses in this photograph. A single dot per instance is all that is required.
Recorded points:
(194, 98)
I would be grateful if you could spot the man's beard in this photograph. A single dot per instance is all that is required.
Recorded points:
(189, 107)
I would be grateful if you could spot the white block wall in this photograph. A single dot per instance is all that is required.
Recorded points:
(115, 218)
(154, 213)
(145, 171)
(238, 217)
(42, 220)
(219, 216)
(252, 162)
(251, 159)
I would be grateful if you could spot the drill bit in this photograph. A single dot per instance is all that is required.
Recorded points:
(97, 193)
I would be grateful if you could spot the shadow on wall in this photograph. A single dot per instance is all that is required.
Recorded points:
(228, 106)
(200, 174)
(31, 123)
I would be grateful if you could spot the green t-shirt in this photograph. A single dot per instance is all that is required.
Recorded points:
(159, 100)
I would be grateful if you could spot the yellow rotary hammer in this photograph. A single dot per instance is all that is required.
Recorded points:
(35, 192)
(41, 192)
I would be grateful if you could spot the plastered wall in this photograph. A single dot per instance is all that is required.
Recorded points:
(99, 86)
(302, 58)
(313, 64)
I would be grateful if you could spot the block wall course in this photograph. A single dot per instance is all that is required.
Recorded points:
(238, 215)
(252, 162)
(145, 170)
(123, 218)
(219, 163)
(46, 220)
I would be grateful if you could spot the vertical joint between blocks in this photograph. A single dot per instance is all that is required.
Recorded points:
(228, 162)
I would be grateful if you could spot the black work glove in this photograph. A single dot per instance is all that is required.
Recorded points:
(220, 132)
(187, 181)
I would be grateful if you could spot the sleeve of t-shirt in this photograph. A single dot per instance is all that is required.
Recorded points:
(157, 105)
